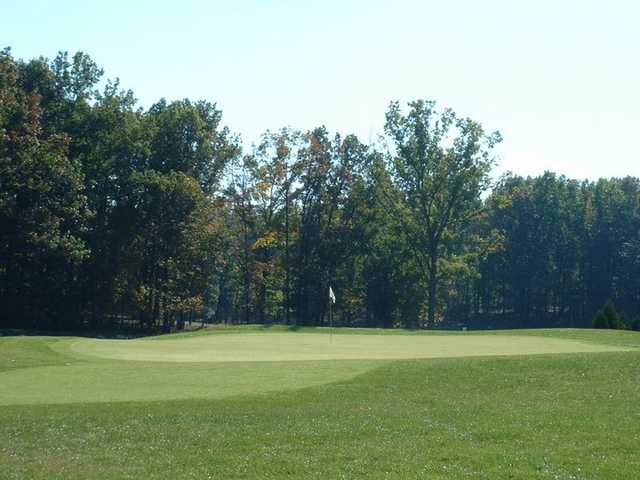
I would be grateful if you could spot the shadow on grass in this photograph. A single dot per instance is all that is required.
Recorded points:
(117, 334)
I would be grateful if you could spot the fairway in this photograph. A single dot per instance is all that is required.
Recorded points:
(252, 347)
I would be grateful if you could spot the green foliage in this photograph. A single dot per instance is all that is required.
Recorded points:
(108, 212)
(440, 167)
(568, 247)
(187, 137)
(608, 317)
(43, 207)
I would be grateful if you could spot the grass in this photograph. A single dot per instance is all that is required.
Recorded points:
(288, 346)
(556, 416)
(601, 337)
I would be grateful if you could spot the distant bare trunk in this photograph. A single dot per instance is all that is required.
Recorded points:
(432, 284)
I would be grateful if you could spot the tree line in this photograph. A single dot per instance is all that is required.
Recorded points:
(114, 216)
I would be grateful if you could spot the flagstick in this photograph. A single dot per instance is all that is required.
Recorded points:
(330, 324)
(332, 300)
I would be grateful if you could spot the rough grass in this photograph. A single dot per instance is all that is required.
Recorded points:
(564, 416)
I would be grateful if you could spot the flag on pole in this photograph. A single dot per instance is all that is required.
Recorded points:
(332, 295)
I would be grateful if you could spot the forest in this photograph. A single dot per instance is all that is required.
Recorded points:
(117, 217)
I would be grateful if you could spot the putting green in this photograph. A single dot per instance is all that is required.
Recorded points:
(217, 366)
(308, 346)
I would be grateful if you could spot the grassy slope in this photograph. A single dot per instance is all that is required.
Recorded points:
(26, 352)
(561, 416)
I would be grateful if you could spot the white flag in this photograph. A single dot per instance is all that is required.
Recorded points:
(332, 295)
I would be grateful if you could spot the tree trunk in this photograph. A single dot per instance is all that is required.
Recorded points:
(286, 250)
(432, 283)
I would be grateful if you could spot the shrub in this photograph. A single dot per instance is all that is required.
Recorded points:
(600, 320)
(608, 317)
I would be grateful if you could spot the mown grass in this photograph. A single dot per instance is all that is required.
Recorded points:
(302, 346)
(569, 416)
(28, 352)
(601, 337)
(78, 370)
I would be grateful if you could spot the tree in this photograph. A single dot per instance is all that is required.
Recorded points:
(393, 292)
(608, 317)
(188, 137)
(175, 250)
(441, 166)
(43, 211)
(273, 167)
(328, 168)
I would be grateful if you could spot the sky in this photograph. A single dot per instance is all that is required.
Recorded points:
(558, 79)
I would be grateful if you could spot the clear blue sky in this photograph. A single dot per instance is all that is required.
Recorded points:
(559, 79)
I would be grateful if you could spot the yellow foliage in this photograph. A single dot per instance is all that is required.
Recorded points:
(266, 240)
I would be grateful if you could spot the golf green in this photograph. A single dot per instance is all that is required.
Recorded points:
(308, 346)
